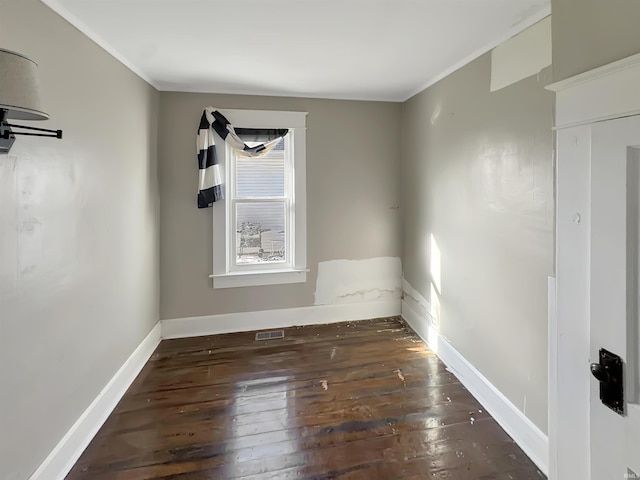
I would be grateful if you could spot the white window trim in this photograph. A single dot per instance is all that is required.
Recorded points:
(223, 275)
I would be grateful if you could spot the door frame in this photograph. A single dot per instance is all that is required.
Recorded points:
(605, 93)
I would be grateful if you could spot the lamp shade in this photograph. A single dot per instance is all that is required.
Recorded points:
(19, 93)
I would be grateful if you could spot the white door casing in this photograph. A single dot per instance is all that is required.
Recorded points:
(613, 260)
(596, 290)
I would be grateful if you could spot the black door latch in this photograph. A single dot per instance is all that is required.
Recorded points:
(609, 373)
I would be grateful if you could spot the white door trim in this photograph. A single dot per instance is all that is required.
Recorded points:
(601, 94)
(604, 93)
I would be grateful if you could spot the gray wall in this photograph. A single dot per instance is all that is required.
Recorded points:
(78, 236)
(477, 175)
(353, 151)
(591, 33)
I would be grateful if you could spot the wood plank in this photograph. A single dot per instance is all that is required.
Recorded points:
(358, 400)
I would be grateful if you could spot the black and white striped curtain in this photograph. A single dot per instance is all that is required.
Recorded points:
(210, 182)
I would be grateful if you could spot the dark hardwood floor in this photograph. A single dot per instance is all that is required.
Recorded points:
(359, 400)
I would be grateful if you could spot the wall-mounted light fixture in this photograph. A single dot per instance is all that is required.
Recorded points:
(19, 99)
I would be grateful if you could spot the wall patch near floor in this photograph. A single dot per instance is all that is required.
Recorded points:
(349, 281)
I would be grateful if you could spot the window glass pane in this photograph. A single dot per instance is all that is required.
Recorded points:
(260, 232)
(261, 176)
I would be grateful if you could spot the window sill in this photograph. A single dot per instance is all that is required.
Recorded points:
(257, 278)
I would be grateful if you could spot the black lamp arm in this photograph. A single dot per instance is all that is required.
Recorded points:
(49, 133)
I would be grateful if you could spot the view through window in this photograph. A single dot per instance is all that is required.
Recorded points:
(262, 207)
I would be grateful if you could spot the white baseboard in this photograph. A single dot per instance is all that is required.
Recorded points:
(62, 458)
(269, 319)
(60, 461)
(66, 453)
(525, 433)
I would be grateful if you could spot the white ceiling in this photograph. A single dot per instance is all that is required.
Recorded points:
(346, 49)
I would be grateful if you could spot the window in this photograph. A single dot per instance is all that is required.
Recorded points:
(261, 208)
(259, 228)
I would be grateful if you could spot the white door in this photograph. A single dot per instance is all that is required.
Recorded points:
(614, 268)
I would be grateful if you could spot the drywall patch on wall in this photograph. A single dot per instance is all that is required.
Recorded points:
(348, 281)
(521, 56)
(417, 301)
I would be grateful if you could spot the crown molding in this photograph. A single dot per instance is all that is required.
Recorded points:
(97, 39)
(512, 32)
